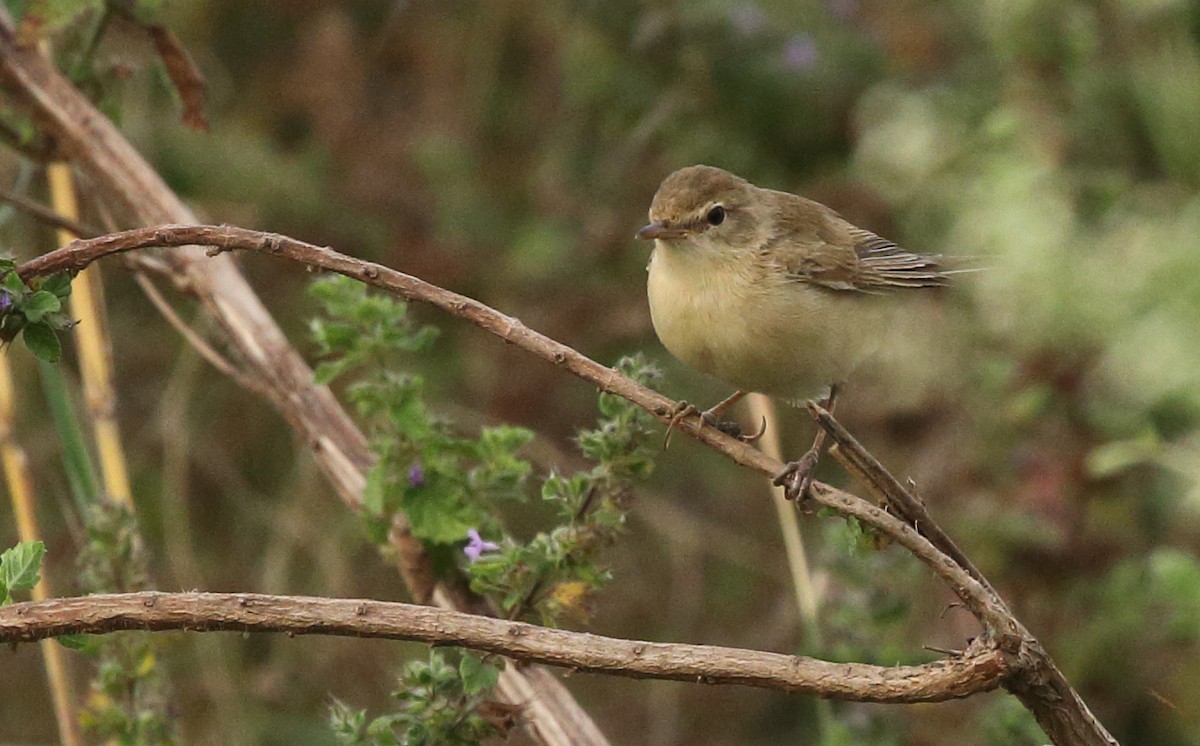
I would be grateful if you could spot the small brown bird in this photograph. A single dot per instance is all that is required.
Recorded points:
(771, 292)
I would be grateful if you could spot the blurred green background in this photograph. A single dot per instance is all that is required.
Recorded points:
(1048, 408)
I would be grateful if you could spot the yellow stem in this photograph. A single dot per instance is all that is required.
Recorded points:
(20, 490)
(95, 352)
(807, 598)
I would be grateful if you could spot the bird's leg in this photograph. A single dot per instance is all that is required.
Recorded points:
(710, 416)
(797, 476)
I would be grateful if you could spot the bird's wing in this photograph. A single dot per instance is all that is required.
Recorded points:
(886, 266)
(823, 249)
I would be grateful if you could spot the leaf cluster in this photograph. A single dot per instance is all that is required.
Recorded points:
(442, 480)
(128, 696)
(554, 572)
(36, 313)
(449, 484)
(440, 704)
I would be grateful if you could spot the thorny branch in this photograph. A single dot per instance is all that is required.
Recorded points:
(1034, 677)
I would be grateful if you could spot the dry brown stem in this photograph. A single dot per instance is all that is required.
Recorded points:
(979, 669)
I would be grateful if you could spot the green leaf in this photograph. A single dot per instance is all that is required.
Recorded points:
(43, 342)
(15, 286)
(39, 304)
(59, 284)
(438, 515)
(76, 642)
(10, 326)
(19, 567)
(477, 676)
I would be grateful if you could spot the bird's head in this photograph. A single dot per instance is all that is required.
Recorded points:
(703, 205)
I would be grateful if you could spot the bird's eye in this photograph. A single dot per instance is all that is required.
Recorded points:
(716, 215)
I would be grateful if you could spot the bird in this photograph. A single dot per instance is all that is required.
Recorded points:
(771, 292)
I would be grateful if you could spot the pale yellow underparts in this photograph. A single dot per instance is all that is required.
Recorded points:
(730, 314)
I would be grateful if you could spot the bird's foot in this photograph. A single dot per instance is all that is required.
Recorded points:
(797, 477)
(712, 418)
(682, 409)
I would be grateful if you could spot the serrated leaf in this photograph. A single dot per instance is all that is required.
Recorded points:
(476, 675)
(43, 342)
(437, 515)
(20, 566)
(39, 304)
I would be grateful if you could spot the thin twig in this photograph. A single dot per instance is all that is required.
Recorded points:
(910, 509)
(198, 343)
(45, 215)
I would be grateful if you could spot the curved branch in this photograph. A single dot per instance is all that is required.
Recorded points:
(978, 670)
(78, 254)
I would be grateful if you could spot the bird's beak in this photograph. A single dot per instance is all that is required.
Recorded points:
(659, 230)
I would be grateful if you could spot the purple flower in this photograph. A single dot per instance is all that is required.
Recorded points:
(477, 546)
(5, 300)
(416, 476)
(747, 18)
(801, 53)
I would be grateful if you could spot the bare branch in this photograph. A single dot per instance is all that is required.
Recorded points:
(46, 215)
(868, 469)
(1034, 678)
(80, 253)
(979, 669)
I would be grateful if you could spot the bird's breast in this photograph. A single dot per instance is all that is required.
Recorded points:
(734, 318)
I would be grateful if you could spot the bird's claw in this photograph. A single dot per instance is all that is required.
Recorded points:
(752, 437)
(797, 477)
(682, 409)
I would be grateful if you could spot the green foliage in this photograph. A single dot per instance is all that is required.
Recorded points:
(1053, 140)
(1006, 722)
(553, 573)
(129, 694)
(439, 705)
(450, 485)
(113, 559)
(19, 568)
(36, 313)
(1153, 600)
(443, 481)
